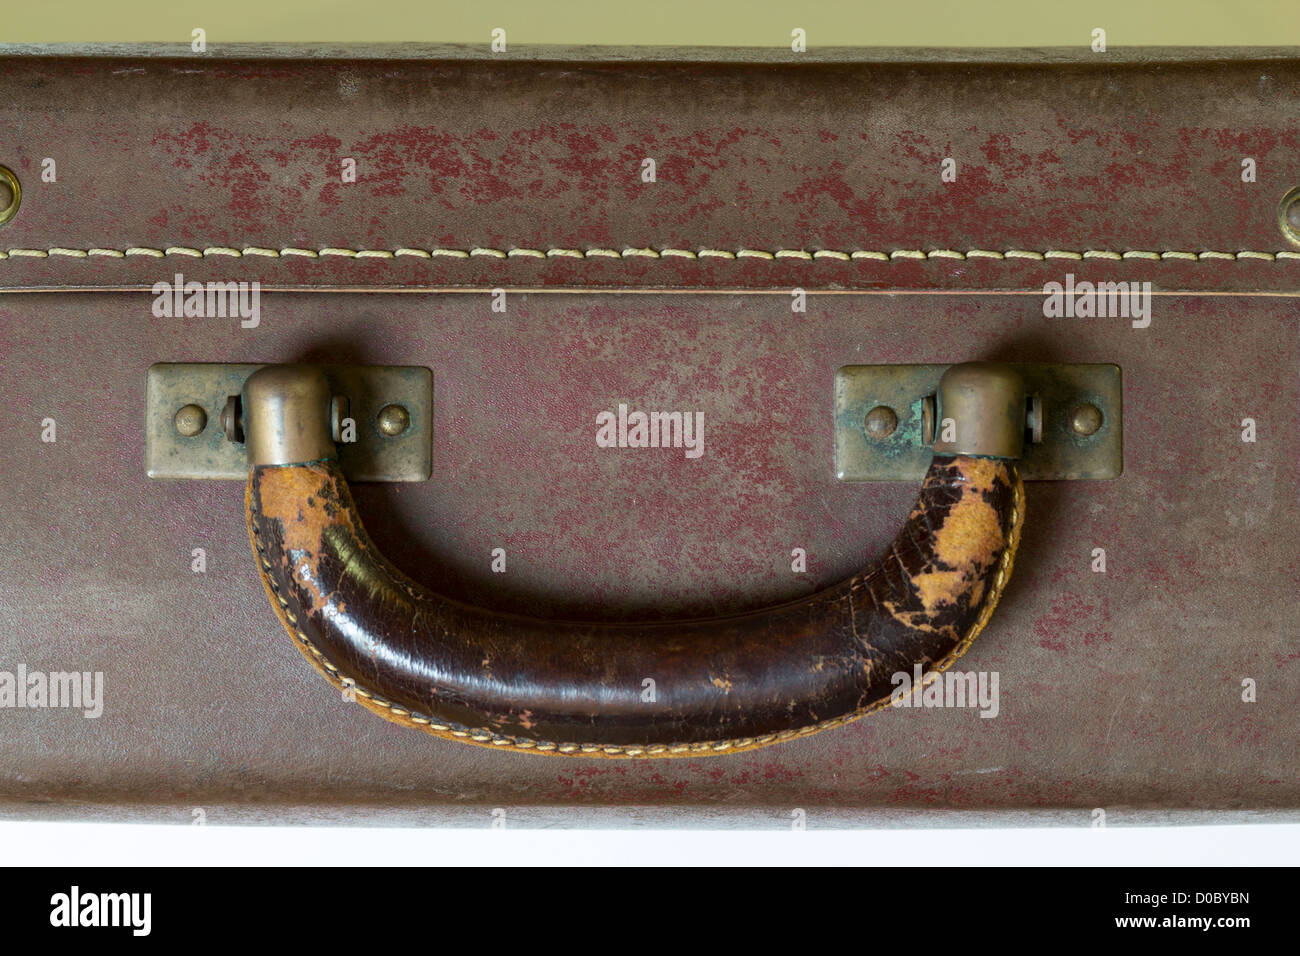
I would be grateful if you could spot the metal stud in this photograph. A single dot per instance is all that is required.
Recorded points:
(881, 422)
(11, 195)
(190, 420)
(1086, 419)
(394, 420)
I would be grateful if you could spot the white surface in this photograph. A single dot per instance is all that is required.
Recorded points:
(94, 844)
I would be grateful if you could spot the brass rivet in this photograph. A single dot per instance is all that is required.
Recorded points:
(190, 420)
(881, 422)
(11, 195)
(1288, 215)
(1085, 419)
(393, 420)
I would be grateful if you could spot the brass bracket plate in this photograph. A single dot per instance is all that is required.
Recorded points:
(1057, 391)
(373, 456)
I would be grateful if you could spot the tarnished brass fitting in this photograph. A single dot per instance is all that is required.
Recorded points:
(11, 195)
(287, 415)
(981, 411)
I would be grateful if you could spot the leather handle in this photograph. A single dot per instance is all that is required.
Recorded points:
(721, 685)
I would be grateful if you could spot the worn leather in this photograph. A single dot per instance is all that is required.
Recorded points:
(717, 685)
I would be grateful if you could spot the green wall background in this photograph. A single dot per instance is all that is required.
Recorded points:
(970, 23)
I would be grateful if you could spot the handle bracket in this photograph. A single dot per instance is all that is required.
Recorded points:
(888, 421)
(390, 407)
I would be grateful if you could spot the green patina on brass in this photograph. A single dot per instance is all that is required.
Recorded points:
(1061, 454)
(375, 455)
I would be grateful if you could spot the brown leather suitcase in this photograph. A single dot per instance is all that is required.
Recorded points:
(486, 269)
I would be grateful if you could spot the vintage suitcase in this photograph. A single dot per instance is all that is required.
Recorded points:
(478, 278)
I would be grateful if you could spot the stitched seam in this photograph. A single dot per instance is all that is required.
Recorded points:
(487, 737)
(647, 253)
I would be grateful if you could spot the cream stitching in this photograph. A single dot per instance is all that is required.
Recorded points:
(643, 253)
(483, 735)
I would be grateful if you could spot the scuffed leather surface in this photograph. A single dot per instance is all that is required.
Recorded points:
(1120, 690)
(501, 154)
(718, 685)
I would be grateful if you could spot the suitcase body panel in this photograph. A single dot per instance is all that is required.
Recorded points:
(1119, 690)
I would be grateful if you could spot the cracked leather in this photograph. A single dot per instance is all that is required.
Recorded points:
(730, 683)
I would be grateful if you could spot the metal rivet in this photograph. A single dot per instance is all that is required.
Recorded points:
(393, 420)
(1288, 215)
(881, 422)
(190, 420)
(11, 195)
(1085, 419)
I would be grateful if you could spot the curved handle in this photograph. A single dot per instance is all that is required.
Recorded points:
(721, 685)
